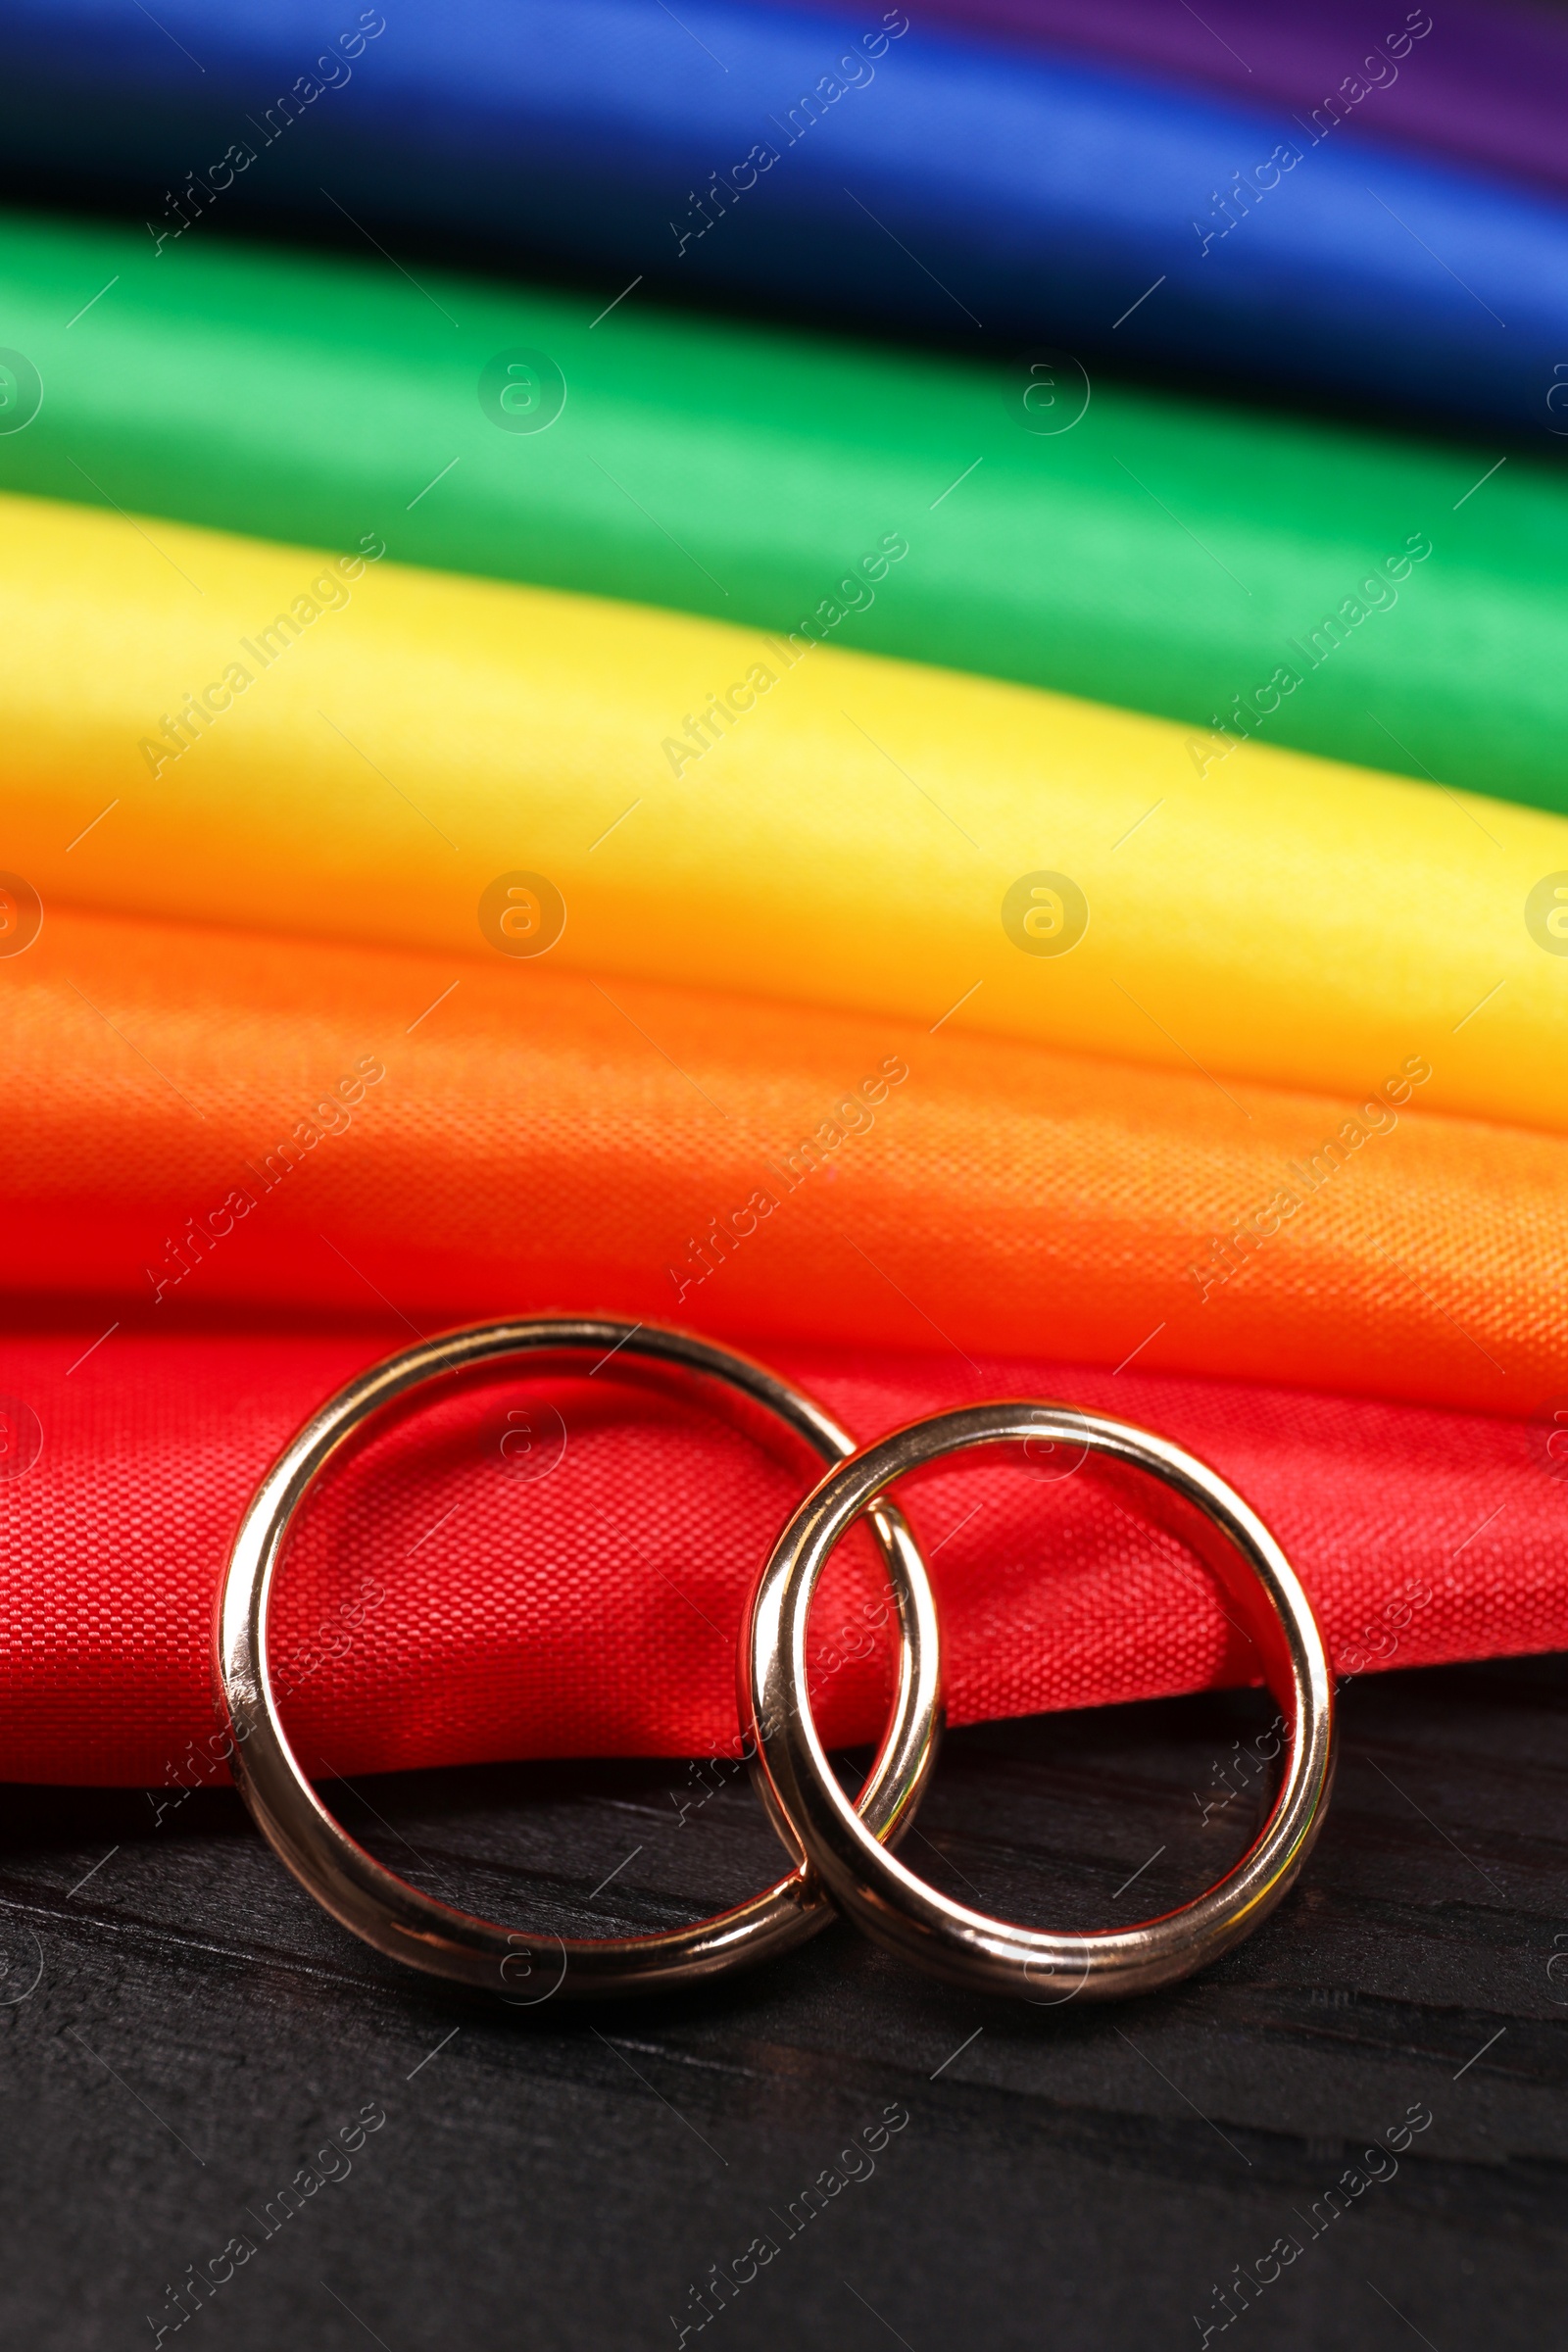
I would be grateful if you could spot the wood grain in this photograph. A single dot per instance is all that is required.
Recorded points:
(182, 2029)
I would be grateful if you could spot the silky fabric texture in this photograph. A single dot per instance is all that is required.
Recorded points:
(561, 1568)
(1492, 87)
(1163, 554)
(929, 181)
(201, 1123)
(392, 745)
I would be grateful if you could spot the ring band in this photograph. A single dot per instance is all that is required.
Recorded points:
(877, 1891)
(397, 1918)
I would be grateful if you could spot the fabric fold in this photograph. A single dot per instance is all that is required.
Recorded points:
(866, 164)
(1230, 567)
(199, 724)
(1490, 88)
(203, 1123)
(592, 1548)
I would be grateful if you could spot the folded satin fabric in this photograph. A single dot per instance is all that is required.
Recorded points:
(560, 1568)
(1219, 566)
(203, 1123)
(1492, 87)
(923, 179)
(383, 753)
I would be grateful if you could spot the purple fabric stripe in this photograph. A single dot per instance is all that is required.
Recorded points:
(1487, 82)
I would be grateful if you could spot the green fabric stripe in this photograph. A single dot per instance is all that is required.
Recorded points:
(1166, 555)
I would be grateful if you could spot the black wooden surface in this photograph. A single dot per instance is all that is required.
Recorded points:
(180, 2028)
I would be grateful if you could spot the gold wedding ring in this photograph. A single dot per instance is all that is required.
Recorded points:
(521, 1965)
(885, 1898)
(841, 1848)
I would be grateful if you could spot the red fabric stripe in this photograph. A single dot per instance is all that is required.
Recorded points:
(584, 1597)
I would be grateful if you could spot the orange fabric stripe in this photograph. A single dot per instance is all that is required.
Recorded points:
(193, 1120)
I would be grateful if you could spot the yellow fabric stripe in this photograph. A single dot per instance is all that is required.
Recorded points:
(405, 738)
